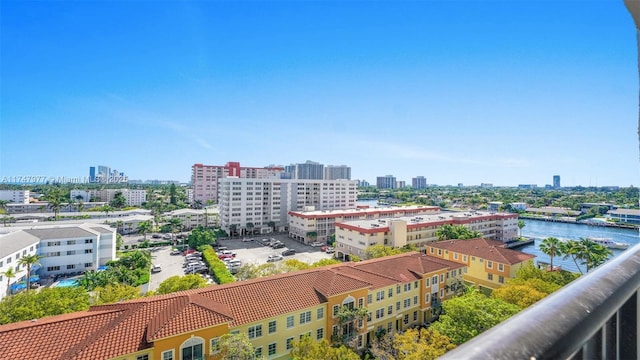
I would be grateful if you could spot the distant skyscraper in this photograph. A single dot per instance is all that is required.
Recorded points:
(401, 184)
(556, 181)
(92, 174)
(332, 172)
(309, 170)
(419, 182)
(386, 182)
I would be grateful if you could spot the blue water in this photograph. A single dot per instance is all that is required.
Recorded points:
(67, 283)
(543, 229)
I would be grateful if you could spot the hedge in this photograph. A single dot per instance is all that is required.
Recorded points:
(217, 266)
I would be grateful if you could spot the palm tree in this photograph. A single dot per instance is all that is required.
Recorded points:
(551, 247)
(29, 261)
(576, 250)
(175, 223)
(9, 273)
(144, 227)
(107, 208)
(521, 224)
(7, 219)
(596, 254)
(446, 232)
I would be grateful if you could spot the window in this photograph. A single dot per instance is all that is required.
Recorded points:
(398, 305)
(369, 299)
(439, 251)
(380, 295)
(434, 280)
(289, 343)
(214, 345)
(53, 268)
(500, 267)
(272, 349)
(390, 293)
(320, 313)
(407, 303)
(389, 327)
(88, 241)
(258, 352)
(489, 264)
(441, 278)
(441, 293)
(415, 284)
(289, 321)
(427, 281)
(361, 302)
(415, 300)
(501, 279)
(272, 327)
(415, 316)
(406, 319)
(69, 267)
(379, 313)
(407, 287)
(71, 242)
(455, 256)
(192, 349)
(490, 276)
(255, 331)
(390, 310)
(167, 355)
(88, 251)
(305, 317)
(142, 357)
(319, 333)
(335, 310)
(426, 298)
(88, 265)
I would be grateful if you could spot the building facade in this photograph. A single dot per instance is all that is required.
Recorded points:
(419, 182)
(397, 292)
(204, 178)
(309, 226)
(309, 170)
(556, 181)
(262, 205)
(333, 172)
(489, 264)
(133, 197)
(15, 196)
(353, 237)
(64, 249)
(386, 182)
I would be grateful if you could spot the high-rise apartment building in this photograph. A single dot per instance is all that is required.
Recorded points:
(401, 184)
(556, 181)
(204, 178)
(15, 196)
(386, 182)
(309, 170)
(265, 203)
(92, 174)
(333, 172)
(419, 182)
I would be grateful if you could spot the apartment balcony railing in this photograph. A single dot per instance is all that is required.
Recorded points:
(594, 317)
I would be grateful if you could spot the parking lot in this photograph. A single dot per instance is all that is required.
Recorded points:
(249, 251)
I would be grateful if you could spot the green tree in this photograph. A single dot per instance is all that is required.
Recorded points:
(471, 314)
(175, 224)
(46, 302)
(114, 293)
(520, 295)
(55, 197)
(236, 347)
(552, 248)
(596, 254)
(29, 261)
(118, 201)
(413, 344)
(107, 209)
(201, 236)
(379, 250)
(143, 228)
(9, 274)
(308, 349)
(325, 262)
(7, 219)
(179, 283)
(173, 198)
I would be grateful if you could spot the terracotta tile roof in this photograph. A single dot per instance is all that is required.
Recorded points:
(484, 248)
(112, 330)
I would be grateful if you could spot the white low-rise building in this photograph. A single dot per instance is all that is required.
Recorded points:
(353, 237)
(133, 197)
(15, 196)
(311, 225)
(65, 249)
(192, 218)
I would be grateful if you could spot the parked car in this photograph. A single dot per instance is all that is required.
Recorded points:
(246, 240)
(175, 252)
(227, 252)
(278, 245)
(324, 248)
(265, 242)
(197, 270)
(167, 236)
(330, 250)
(189, 251)
(155, 268)
(272, 258)
(156, 236)
(316, 244)
(288, 252)
(225, 256)
(234, 263)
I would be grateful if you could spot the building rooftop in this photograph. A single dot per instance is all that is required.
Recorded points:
(362, 211)
(484, 248)
(16, 241)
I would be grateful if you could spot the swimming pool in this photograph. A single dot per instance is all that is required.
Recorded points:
(66, 283)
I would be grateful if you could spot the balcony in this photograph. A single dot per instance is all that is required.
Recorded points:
(594, 317)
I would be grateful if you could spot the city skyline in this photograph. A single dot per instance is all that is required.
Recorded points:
(505, 93)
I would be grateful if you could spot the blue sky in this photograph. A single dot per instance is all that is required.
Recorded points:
(502, 92)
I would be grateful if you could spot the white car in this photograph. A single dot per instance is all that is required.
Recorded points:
(272, 258)
(316, 244)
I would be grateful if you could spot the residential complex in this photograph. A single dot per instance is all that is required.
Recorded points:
(133, 197)
(263, 204)
(308, 226)
(15, 196)
(489, 263)
(332, 172)
(64, 249)
(628, 216)
(353, 237)
(398, 292)
(204, 178)
(192, 218)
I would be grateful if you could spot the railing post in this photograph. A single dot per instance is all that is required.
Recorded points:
(628, 329)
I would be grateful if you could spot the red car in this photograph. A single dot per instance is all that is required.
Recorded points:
(225, 256)
(324, 248)
(189, 251)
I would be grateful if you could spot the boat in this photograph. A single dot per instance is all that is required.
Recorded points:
(609, 243)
